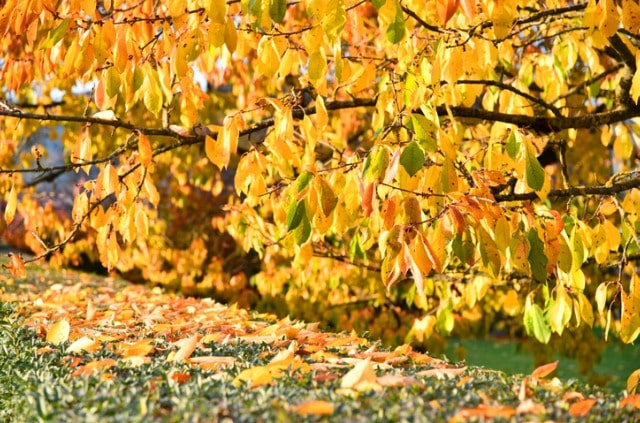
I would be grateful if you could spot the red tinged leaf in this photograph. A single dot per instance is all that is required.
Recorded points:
(368, 196)
(180, 378)
(544, 370)
(446, 9)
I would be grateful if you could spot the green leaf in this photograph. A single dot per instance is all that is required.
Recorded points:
(277, 10)
(355, 248)
(412, 158)
(424, 130)
(537, 258)
(295, 213)
(534, 322)
(512, 145)
(378, 3)
(533, 170)
(303, 180)
(444, 319)
(328, 199)
(57, 34)
(395, 31)
(302, 232)
(377, 163)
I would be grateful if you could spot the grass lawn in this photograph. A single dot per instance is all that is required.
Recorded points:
(78, 347)
(618, 360)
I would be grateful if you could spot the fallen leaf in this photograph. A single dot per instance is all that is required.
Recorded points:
(257, 376)
(91, 310)
(141, 348)
(85, 343)
(187, 347)
(362, 372)
(398, 380)
(180, 377)
(59, 332)
(529, 406)
(94, 366)
(212, 362)
(544, 370)
(582, 407)
(315, 408)
(442, 373)
(632, 400)
(488, 411)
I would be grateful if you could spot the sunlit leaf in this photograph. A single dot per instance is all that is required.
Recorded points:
(545, 370)
(12, 203)
(58, 333)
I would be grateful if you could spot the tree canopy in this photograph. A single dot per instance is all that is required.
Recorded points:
(484, 151)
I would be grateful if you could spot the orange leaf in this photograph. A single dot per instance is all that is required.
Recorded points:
(544, 370)
(367, 198)
(59, 332)
(632, 400)
(94, 366)
(581, 408)
(144, 150)
(314, 407)
(482, 410)
(16, 266)
(469, 8)
(446, 9)
(180, 378)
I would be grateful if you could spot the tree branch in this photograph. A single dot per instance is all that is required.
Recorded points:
(614, 188)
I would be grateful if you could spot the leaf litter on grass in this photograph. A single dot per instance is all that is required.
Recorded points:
(106, 326)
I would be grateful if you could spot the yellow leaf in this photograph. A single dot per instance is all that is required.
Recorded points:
(187, 347)
(58, 333)
(257, 376)
(216, 10)
(608, 17)
(511, 303)
(144, 150)
(12, 203)
(321, 113)
(634, 92)
(631, 15)
(362, 375)
(85, 343)
(632, 382)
